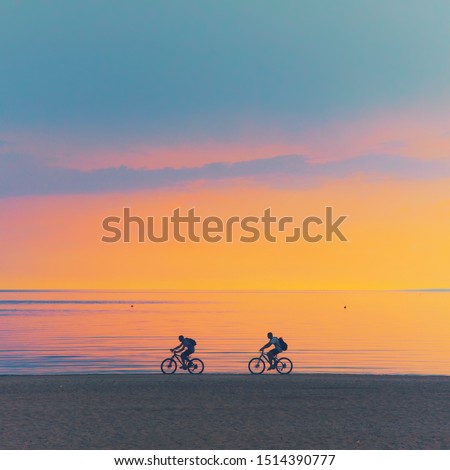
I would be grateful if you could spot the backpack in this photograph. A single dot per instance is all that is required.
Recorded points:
(191, 341)
(283, 344)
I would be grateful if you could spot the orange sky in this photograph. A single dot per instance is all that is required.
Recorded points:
(398, 235)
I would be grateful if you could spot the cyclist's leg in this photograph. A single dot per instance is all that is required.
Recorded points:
(185, 356)
(271, 355)
(275, 359)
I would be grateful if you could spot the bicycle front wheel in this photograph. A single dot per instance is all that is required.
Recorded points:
(168, 366)
(284, 365)
(196, 366)
(256, 365)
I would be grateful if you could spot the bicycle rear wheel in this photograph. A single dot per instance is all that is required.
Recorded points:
(284, 365)
(168, 366)
(256, 365)
(196, 366)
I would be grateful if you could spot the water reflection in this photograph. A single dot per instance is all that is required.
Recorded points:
(47, 332)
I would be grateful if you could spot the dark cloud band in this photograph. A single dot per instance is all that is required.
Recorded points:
(21, 175)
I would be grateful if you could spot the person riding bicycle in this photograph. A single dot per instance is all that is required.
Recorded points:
(188, 344)
(273, 340)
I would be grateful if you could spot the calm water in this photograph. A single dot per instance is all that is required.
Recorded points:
(53, 332)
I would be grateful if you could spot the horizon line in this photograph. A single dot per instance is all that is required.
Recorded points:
(419, 289)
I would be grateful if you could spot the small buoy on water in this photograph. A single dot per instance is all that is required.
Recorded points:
(132, 306)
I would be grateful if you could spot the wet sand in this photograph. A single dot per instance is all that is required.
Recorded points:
(224, 412)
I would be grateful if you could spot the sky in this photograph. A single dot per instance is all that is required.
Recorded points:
(228, 107)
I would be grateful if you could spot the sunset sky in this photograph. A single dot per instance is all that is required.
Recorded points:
(229, 107)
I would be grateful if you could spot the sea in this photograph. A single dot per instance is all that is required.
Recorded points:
(132, 331)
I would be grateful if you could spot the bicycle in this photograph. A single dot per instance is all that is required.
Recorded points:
(170, 365)
(257, 365)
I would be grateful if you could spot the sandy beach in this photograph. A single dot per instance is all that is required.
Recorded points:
(224, 412)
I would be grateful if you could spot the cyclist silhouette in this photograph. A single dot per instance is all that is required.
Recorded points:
(188, 345)
(273, 340)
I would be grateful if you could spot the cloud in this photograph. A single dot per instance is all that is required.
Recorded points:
(22, 175)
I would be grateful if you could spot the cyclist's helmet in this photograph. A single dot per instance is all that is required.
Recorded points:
(181, 337)
(269, 335)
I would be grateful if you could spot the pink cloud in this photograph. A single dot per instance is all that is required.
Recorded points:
(414, 132)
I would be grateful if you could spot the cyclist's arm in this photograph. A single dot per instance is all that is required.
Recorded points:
(179, 348)
(266, 346)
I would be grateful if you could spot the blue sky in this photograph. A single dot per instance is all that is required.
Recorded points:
(168, 71)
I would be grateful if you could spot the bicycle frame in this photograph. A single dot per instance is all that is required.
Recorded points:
(177, 357)
(265, 357)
